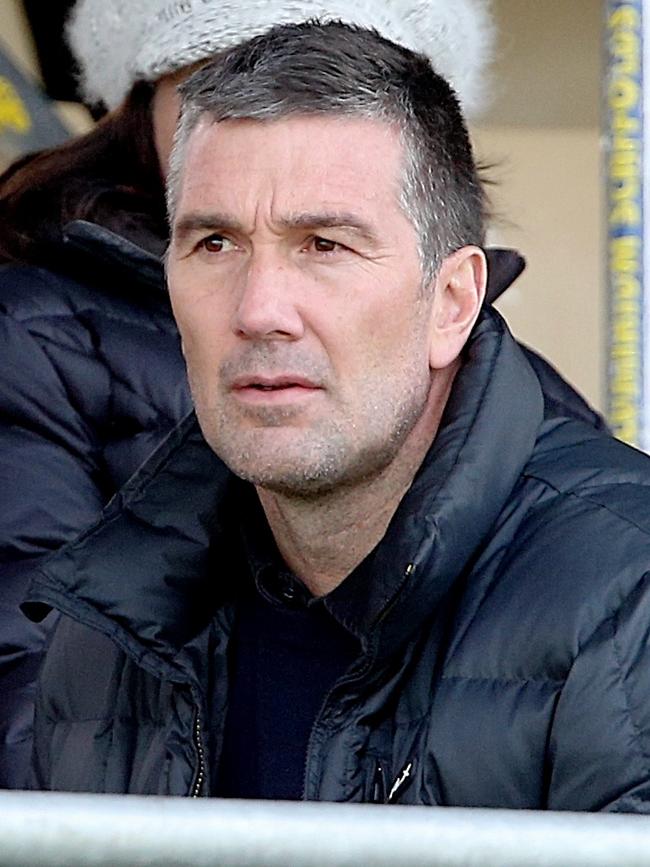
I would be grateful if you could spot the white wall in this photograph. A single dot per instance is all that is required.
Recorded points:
(543, 130)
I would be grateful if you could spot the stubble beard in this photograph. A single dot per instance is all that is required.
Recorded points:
(315, 461)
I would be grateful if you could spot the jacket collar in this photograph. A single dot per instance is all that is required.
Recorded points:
(139, 260)
(129, 256)
(160, 561)
(487, 434)
(504, 267)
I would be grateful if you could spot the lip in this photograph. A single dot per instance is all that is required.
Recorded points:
(258, 388)
(276, 381)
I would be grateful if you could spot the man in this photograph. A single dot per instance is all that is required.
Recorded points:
(400, 581)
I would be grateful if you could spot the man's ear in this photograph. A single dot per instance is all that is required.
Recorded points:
(458, 294)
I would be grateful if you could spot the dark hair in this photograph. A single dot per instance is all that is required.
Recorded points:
(111, 170)
(336, 68)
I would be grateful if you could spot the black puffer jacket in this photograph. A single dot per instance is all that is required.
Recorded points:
(506, 629)
(92, 381)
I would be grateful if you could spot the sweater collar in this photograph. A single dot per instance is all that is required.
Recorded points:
(153, 570)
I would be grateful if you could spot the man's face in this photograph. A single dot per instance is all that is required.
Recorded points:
(296, 283)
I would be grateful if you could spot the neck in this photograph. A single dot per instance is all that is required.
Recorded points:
(323, 539)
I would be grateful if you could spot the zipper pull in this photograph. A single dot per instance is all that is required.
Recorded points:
(378, 785)
(199, 776)
(402, 781)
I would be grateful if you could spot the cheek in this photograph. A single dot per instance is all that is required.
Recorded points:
(202, 340)
(199, 310)
(203, 348)
(203, 362)
(388, 336)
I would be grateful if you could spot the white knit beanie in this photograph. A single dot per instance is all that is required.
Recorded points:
(119, 42)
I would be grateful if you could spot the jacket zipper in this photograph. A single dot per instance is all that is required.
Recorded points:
(200, 753)
(358, 675)
(378, 795)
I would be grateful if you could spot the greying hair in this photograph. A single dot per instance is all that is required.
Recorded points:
(333, 68)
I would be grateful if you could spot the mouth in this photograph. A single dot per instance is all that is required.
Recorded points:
(271, 383)
(254, 388)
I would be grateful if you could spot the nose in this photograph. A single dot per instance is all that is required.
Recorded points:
(266, 308)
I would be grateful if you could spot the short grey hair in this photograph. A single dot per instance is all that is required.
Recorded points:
(317, 68)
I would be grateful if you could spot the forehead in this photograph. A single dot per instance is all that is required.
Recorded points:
(292, 164)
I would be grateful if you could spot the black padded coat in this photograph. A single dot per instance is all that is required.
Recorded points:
(92, 381)
(505, 633)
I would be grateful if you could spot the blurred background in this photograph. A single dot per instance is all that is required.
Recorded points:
(541, 132)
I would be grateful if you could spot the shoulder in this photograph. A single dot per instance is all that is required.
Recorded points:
(27, 291)
(588, 523)
(33, 294)
(570, 550)
(96, 336)
(590, 473)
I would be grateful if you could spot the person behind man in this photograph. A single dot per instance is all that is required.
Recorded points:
(439, 593)
(93, 376)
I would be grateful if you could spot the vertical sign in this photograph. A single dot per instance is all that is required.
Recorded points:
(628, 366)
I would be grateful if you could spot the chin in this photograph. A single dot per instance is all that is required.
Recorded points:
(329, 471)
(299, 463)
(297, 479)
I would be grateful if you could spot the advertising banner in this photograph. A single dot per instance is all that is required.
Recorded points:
(628, 358)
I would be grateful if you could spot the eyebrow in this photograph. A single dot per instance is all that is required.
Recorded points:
(332, 220)
(214, 221)
(196, 222)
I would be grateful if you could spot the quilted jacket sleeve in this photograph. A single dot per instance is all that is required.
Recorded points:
(49, 492)
(92, 380)
(600, 743)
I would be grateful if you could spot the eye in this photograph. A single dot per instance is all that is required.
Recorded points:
(215, 243)
(324, 245)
